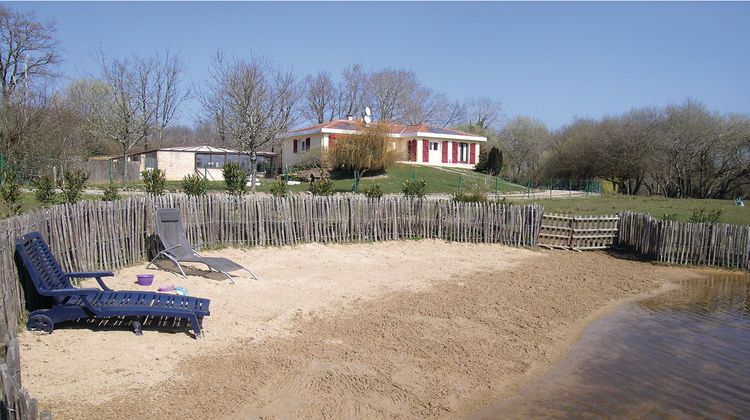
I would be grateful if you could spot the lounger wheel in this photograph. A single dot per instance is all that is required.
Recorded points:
(40, 323)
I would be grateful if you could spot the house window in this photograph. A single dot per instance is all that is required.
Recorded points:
(303, 145)
(150, 160)
(209, 161)
(433, 145)
(294, 146)
(463, 152)
(242, 160)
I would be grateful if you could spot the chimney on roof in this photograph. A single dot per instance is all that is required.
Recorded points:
(350, 117)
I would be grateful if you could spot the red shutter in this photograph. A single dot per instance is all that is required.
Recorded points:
(307, 143)
(472, 153)
(331, 141)
(445, 152)
(294, 149)
(455, 153)
(425, 151)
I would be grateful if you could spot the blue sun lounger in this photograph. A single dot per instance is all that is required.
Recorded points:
(75, 303)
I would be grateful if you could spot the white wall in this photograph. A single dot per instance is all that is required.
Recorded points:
(289, 158)
(436, 156)
(176, 164)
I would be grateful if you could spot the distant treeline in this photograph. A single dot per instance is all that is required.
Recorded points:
(677, 151)
(680, 150)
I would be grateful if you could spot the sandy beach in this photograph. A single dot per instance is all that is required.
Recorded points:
(397, 329)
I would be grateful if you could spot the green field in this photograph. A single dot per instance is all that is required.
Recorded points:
(438, 181)
(682, 208)
(448, 180)
(29, 203)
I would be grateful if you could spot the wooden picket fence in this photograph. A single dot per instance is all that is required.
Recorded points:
(668, 241)
(578, 232)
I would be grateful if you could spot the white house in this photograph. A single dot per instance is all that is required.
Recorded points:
(207, 161)
(421, 144)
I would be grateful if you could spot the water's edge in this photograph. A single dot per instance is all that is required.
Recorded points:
(562, 349)
(620, 359)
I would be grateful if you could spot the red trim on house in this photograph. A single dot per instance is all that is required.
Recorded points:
(472, 153)
(331, 141)
(444, 151)
(425, 150)
(455, 153)
(413, 150)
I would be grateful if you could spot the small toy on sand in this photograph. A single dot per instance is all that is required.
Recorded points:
(168, 288)
(145, 279)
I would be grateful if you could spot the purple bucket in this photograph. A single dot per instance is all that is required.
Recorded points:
(145, 279)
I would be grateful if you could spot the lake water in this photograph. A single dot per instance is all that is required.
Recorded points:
(685, 353)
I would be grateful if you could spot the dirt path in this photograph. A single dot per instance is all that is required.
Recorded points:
(439, 351)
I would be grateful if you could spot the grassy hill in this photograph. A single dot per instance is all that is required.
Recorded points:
(439, 180)
(679, 208)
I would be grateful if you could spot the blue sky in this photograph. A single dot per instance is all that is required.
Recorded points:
(552, 61)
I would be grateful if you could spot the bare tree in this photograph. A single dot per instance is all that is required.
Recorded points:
(352, 91)
(424, 106)
(254, 100)
(168, 92)
(27, 49)
(28, 54)
(121, 113)
(159, 92)
(484, 112)
(391, 91)
(321, 98)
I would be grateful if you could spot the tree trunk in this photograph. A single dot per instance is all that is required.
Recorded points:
(124, 166)
(253, 170)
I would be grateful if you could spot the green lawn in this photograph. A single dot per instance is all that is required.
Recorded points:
(29, 202)
(438, 181)
(682, 208)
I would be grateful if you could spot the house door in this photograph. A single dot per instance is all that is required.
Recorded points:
(413, 150)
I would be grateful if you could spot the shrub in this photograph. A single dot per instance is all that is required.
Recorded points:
(154, 180)
(366, 151)
(194, 185)
(73, 183)
(703, 216)
(669, 217)
(414, 188)
(111, 193)
(279, 188)
(374, 192)
(475, 196)
(44, 190)
(323, 187)
(10, 190)
(481, 165)
(494, 161)
(235, 179)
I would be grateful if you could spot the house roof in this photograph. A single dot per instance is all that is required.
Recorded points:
(197, 149)
(203, 149)
(396, 130)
